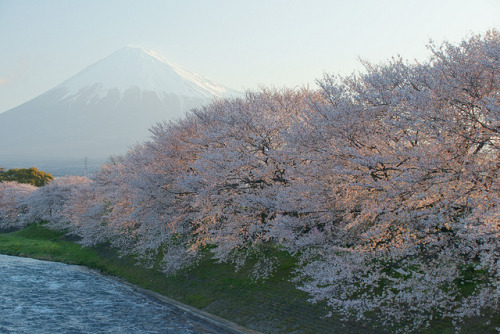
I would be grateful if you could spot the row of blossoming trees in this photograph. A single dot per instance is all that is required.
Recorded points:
(384, 184)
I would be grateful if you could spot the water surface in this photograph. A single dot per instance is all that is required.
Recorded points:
(48, 297)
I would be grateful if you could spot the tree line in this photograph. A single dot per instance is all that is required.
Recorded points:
(31, 176)
(384, 184)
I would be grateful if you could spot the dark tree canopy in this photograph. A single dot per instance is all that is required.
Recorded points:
(31, 176)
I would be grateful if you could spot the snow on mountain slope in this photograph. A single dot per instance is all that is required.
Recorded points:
(104, 109)
(145, 69)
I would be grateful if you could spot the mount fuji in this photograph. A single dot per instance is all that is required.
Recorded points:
(101, 111)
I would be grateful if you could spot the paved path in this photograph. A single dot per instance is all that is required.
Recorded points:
(48, 297)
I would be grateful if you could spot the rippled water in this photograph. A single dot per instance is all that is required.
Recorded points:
(48, 297)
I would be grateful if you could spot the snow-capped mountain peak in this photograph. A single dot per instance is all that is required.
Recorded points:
(144, 69)
(104, 109)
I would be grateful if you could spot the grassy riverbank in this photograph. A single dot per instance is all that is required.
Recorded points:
(271, 306)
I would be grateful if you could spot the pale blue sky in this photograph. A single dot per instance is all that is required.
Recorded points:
(240, 44)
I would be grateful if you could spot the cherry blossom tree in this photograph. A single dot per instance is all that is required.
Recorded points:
(239, 171)
(12, 203)
(412, 152)
(48, 202)
(134, 202)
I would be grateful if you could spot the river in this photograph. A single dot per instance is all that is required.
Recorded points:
(48, 297)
